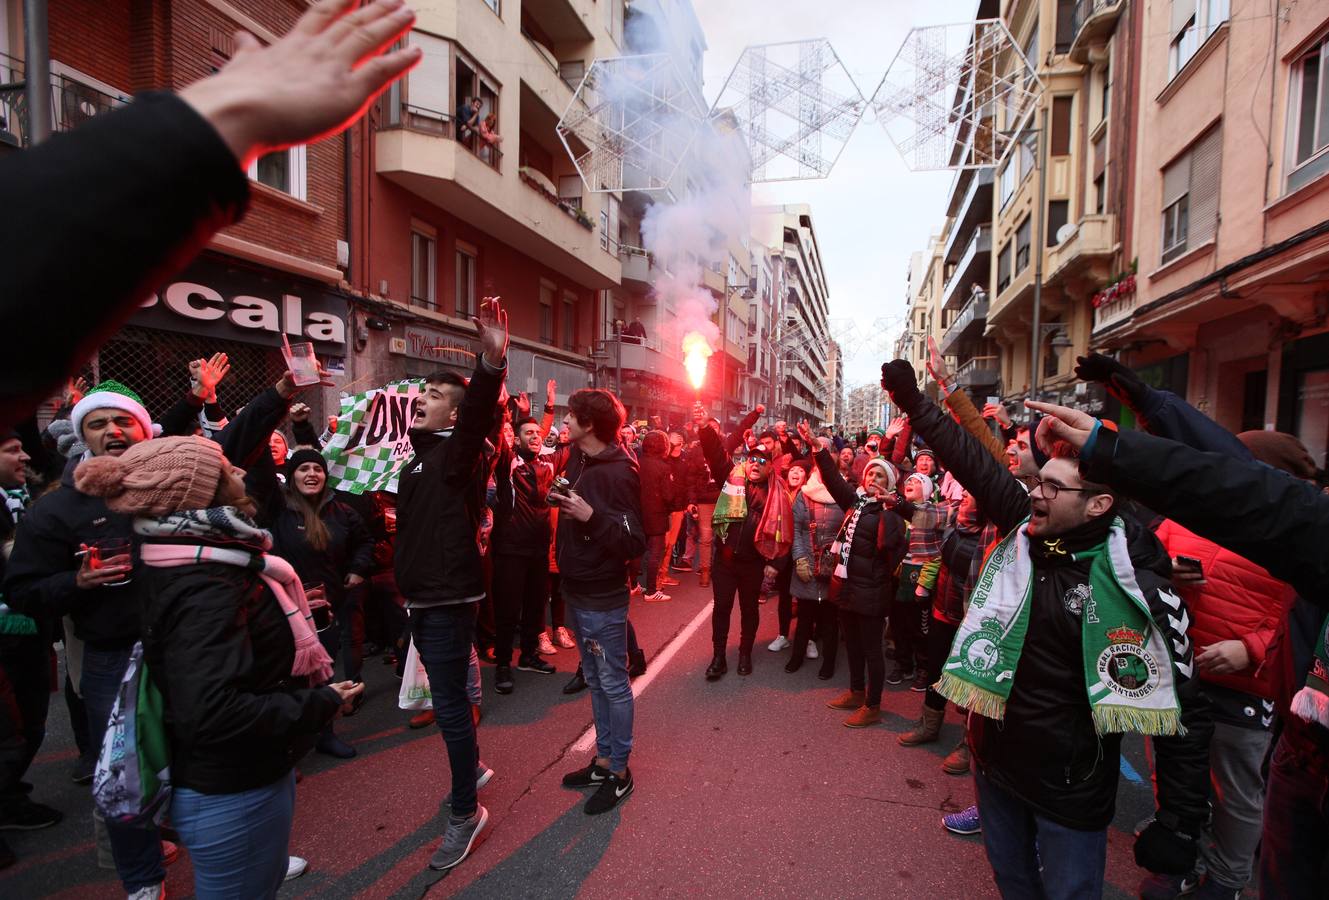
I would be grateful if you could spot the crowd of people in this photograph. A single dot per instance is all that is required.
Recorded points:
(1059, 580)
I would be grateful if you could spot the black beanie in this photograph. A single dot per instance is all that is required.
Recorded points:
(302, 456)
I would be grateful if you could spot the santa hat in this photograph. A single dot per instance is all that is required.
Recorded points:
(923, 480)
(887, 471)
(111, 395)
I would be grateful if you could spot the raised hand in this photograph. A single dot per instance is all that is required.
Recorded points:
(524, 404)
(899, 379)
(805, 432)
(1120, 381)
(896, 427)
(207, 374)
(313, 82)
(287, 387)
(936, 362)
(493, 326)
(997, 411)
(761, 408)
(299, 412)
(551, 389)
(1061, 423)
(75, 390)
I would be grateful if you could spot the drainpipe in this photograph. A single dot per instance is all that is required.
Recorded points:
(37, 70)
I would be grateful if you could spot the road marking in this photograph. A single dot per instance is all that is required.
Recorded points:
(587, 740)
(1129, 771)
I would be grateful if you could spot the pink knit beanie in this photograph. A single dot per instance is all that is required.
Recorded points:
(155, 477)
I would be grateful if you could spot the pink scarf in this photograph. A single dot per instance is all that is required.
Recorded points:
(310, 657)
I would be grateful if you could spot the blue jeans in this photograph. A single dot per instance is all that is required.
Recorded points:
(137, 850)
(445, 638)
(1016, 838)
(602, 638)
(237, 842)
(1294, 856)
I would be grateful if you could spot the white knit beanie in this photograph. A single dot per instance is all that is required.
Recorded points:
(887, 470)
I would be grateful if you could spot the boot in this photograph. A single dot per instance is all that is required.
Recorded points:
(636, 663)
(330, 745)
(576, 683)
(848, 700)
(745, 662)
(705, 579)
(958, 761)
(717, 668)
(863, 717)
(664, 579)
(928, 730)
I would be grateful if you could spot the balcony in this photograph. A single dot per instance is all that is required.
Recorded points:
(648, 357)
(1092, 22)
(969, 323)
(978, 373)
(71, 102)
(1092, 246)
(975, 208)
(638, 267)
(973, 268)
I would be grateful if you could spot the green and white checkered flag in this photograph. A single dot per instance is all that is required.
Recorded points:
(371, 442)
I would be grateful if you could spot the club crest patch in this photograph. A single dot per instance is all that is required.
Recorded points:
(1125, 667)
(981, 651)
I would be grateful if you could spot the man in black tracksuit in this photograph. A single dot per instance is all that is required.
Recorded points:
(520, 542)
(1043, 773)
(440, 500)
(599, 534)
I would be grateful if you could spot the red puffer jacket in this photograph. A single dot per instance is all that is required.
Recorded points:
(1239, 601)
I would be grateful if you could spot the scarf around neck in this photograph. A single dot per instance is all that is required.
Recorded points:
(1311, 703)
(1127, 664)
(227, 536)
(844, 540)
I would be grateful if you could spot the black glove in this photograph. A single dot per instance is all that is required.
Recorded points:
(899, 379)
(1164, 851)
(1120, 381)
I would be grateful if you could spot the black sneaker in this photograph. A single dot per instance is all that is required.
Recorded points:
(611, 792)
(24, 815)
(576, 683)
(898, 675)
(921, 682)
(591, 776)
(535, 664)
(83, 769)
(503, 679)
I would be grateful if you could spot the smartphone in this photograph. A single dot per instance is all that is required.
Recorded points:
(1192, 562)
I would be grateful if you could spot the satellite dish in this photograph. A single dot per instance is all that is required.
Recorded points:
(1066, 232)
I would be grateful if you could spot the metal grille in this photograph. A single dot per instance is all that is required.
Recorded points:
(155, 364)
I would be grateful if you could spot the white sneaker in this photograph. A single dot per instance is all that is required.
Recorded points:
(545, 647)
(295, 867)
(657, 597)
(812, 650)
(151, 892)
(778, 644)
(564, 638)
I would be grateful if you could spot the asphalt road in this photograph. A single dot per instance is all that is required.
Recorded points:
(749, 786)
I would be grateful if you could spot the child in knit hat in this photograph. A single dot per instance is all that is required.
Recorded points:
(918, 578)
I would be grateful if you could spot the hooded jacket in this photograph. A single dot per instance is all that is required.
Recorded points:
(1046, 750)
(657, 494)
(522, 515)
(593, 556)
(350, 549)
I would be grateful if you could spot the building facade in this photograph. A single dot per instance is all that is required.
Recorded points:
(864, 409)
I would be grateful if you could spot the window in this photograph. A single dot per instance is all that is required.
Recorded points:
(1308, 117)
(1058, 216)
(283, 170)
(1022, 244)
(1100, 193)
(569, 190)
(1099, 151)
(546, 313)
(1004, 268)
(496, 6)
(614, 19)
(1062, 108)
(1065, 25)
(1031, 53)
(1192, 23)
(1009, 172)
(465, 282)
(1190, 196)
(609, 225)
(423, 254)
(568, 327)
(1105, 97)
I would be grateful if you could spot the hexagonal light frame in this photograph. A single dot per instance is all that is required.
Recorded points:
(787, 107)
(939, 97)
(630, 123)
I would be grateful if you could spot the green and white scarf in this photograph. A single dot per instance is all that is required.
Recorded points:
(732, 504)
(1127, 663)
(1311, 703)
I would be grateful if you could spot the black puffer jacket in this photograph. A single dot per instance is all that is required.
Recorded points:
(1046, 750)
(440, 498)
(657, 494)
(593, 555)
(740, 544)
(350, 549)
(218, 646)
(880, 544)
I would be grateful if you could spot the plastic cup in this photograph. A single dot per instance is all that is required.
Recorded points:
(106, 552)
(320, 609)
(302, 362)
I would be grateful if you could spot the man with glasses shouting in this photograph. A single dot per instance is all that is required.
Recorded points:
(1072, 637)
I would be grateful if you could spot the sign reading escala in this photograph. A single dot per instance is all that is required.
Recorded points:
(218, 300)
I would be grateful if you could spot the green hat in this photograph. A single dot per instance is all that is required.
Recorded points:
(878, 432)
(111, 395)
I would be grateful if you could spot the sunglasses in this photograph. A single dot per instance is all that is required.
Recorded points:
(760, 460)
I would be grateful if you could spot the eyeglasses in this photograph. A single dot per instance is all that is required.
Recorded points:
(759, 460)
(1050, 489)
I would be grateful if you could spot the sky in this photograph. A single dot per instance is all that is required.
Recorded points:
(872, 212)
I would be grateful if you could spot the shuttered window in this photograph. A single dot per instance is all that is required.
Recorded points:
(1190, 196)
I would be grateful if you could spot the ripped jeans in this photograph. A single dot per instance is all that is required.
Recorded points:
(602, 640)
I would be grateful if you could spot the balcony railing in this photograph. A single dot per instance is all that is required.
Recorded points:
(1091, 22)
(72, 103)
(431, 121)
(975, 310)
(980, 243)
(979, 371)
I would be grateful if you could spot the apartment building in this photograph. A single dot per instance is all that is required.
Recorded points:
(765, 320)
(864, 409)
(1230, 303)
(835, 365)
(803, 389)
(278, 273)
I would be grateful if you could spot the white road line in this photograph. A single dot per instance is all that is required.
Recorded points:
(587, 740)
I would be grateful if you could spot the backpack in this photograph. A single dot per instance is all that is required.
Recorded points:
(132, 782)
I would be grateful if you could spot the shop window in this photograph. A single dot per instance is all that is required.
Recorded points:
(466, 265)
(423, 269)
(1058, 216)
(1190, 196)
(1308, 117)
(283, 170)
(1022, 245)
(1192, 23)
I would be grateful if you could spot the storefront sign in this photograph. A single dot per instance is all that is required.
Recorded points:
(214, 299)
(435, 346)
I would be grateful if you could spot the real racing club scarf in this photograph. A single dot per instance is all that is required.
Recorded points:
(844, 540)
(1127, 664)
(732, 504)
(1311, 703)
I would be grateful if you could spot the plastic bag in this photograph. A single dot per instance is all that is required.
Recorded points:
(414, 693)
(132, 781)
